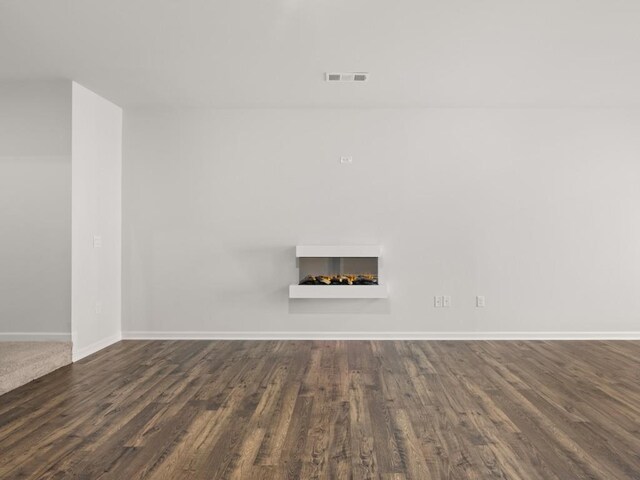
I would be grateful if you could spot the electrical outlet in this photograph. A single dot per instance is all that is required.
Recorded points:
(446, 301)
(437, 301)
(480, 302)
(346, 159)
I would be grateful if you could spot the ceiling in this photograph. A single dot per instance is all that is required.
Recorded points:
(273, 53)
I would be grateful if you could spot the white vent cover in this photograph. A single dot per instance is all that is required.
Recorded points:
(347, 77)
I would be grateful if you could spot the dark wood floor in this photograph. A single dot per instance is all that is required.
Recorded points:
(294, 409)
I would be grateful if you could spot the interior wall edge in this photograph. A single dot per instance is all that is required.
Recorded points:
(83, 352)
(96, 221)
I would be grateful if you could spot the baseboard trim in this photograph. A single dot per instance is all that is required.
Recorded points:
(81, 353)
(34, 337)
(189, 335)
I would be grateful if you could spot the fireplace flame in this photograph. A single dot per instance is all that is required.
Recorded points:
(347, 279)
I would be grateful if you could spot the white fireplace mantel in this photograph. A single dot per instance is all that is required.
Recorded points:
(338, 251)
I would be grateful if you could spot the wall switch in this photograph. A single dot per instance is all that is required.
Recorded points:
(97, 241)
(437, 301)
(480, 302)
(446, 301)
(346, 159)
(98, 308)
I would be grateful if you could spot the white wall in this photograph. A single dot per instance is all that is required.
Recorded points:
(96, 210)
(35, 210)
(537, 209)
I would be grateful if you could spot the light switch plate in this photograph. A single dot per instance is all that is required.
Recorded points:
(437, 301)
(446, 301)
(97, 241)
(480, 301)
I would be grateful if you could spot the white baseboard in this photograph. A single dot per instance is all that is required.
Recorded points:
(83, 352)
(34, 337)
(381, 335)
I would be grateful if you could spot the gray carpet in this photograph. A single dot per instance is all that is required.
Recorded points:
(21, 362)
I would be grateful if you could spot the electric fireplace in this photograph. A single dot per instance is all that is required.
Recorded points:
(338, 272)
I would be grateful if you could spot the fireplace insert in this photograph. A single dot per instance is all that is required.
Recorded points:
(361, 279)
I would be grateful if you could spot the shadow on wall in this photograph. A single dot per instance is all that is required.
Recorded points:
(281, 263)
(332, 306)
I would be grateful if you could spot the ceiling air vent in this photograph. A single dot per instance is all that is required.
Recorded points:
(347, 77)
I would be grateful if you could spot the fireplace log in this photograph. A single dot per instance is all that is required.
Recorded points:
(366, 279)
